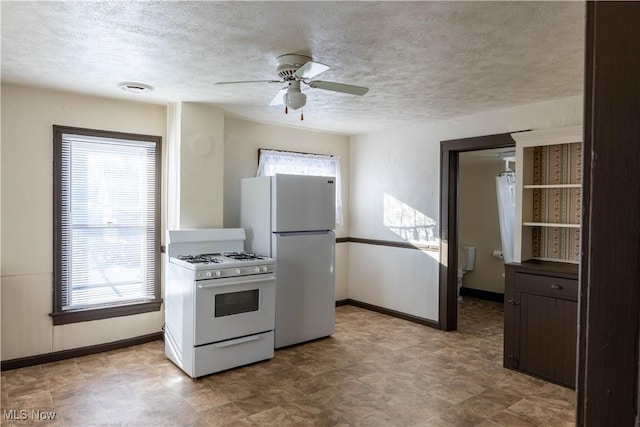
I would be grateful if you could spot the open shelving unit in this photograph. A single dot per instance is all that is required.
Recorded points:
(541, 286)
(548, 195)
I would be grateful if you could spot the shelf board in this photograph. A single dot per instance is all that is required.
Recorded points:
(550, 224)
(568, 261)
(553, 186)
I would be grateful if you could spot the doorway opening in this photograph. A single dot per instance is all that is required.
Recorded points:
(449, 217)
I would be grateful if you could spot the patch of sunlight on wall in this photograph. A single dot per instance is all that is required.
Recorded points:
(409, 223)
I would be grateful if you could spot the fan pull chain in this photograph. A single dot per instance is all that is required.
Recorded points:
(301, 115)
(286, 109)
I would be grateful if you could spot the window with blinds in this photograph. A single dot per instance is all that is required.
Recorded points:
(106, 225)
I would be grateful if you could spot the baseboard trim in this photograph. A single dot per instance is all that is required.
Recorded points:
(481, 294)
(23, 362)
(393, 313)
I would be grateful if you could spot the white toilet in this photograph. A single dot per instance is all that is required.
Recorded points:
(466, 262)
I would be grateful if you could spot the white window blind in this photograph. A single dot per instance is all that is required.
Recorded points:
(272, 162)
(107, 222)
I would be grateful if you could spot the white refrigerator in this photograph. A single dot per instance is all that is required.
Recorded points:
(291, 218)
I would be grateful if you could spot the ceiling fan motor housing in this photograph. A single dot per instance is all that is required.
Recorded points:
(289, 64)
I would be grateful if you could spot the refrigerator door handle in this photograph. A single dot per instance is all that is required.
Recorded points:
(301, 233)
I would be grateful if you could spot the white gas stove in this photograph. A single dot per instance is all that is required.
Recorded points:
(219, 301)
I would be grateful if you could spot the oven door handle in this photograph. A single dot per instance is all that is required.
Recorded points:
(244, 282)
(238, 341)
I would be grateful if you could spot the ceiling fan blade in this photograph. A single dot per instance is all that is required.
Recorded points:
(249, 81)
(310, 70)
(339, 87)
(279, 98)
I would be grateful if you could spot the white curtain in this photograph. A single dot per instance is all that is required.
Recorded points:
(506, 190)
(287, 162)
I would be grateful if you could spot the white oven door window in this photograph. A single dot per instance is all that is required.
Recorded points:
(234, 307)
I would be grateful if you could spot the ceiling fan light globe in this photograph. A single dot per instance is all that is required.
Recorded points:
(295, 99)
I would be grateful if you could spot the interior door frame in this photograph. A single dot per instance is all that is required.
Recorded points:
(449, 170)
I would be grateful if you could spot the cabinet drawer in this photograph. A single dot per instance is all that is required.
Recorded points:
(555, 287)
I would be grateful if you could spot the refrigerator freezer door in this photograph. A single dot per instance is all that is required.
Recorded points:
(305, 286)
(303, 203)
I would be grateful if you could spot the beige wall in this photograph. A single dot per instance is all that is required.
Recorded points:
(395, 192)
(395, 171)
(242, 141)
(211, 148)
(195, 158)
(478, 223)
(27, 223)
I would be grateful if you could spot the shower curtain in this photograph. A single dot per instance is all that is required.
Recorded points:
(506, 191)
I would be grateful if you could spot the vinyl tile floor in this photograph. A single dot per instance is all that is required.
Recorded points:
(375, 370)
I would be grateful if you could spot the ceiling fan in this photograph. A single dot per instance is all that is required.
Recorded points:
(294, 70)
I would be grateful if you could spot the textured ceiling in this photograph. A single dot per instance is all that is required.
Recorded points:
(422, 61)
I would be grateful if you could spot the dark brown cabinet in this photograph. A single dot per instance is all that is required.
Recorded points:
(541, 320)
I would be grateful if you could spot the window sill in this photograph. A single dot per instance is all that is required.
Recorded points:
(75, 316)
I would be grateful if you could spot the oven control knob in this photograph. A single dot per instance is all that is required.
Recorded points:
(209, 274)
(218, 273)
(238, 271)
(264, 269)
(257, 270)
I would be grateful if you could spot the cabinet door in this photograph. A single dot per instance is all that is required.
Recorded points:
(547, 331)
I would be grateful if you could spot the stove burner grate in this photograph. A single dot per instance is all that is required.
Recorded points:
(200, 259)
(243, 256)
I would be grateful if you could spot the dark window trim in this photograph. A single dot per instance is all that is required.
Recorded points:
(289, 151)
(59, 316)
(74, 316)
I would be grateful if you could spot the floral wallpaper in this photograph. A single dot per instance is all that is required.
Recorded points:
(556, 165)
